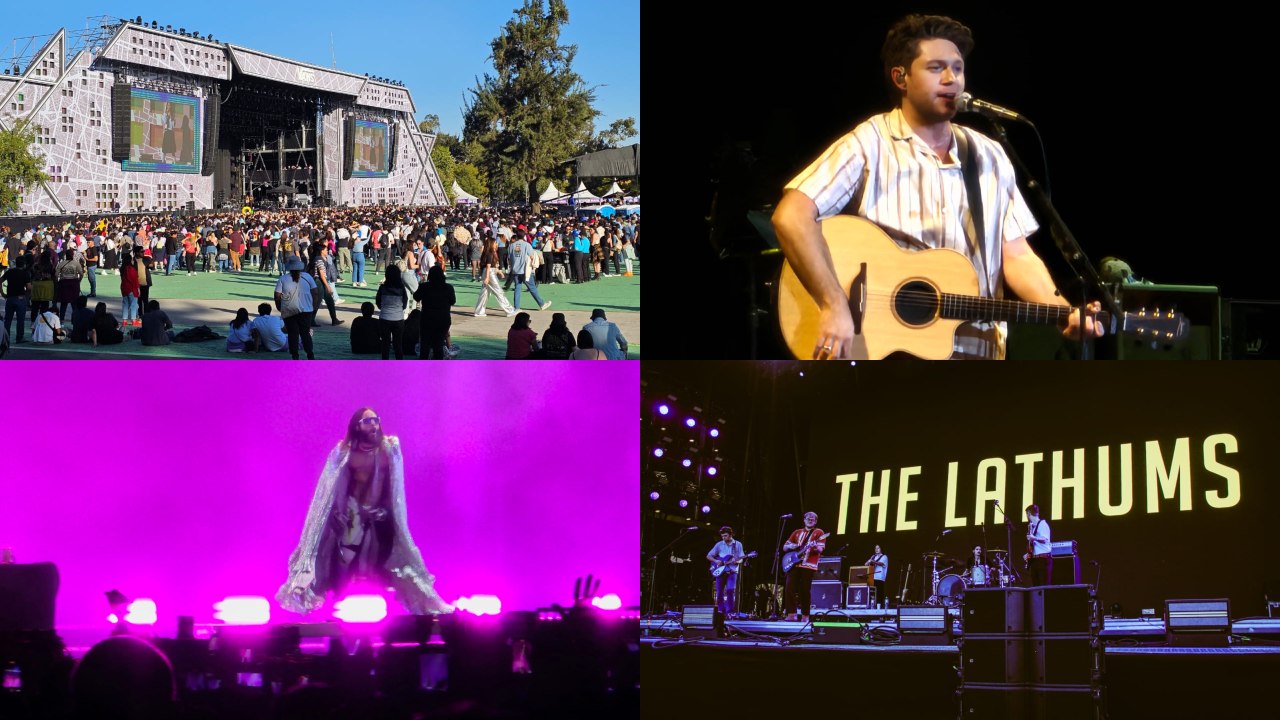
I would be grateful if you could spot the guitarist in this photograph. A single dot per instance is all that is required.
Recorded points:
(800, 579)
(902, 170)
(729, 552)
(879, 563)
(1039, 559)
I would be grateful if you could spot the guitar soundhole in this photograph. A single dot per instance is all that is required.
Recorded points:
(916, 303)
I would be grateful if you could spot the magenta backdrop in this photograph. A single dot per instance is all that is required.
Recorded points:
(520, 477)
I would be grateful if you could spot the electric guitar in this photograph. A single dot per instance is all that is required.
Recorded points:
(797, 556)
(913, 301)
(719, 565)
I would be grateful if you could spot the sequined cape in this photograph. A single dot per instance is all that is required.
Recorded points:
(413, 584)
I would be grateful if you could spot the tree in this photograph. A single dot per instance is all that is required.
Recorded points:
(453, 144)
(19, 167)
(444, 163)
(536, 111)
(430, 124)
(619, 131)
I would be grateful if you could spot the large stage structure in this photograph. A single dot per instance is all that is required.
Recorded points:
(140, 116)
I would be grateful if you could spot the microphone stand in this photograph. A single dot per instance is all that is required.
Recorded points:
(1066, 243)
(777, 565)
(1008, 528)
(653, 581)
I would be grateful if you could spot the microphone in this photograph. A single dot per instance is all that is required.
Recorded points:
(1093, 562)
(970, 104)
(691, 527)
(784, 517)
(946, 531)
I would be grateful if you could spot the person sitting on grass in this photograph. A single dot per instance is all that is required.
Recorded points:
(240, 338)
(364, 332)
(156, 326)
(268, 331)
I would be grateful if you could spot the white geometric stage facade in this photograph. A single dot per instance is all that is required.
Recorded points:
(71, 103)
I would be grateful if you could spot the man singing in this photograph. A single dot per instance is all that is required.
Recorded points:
(357, 527)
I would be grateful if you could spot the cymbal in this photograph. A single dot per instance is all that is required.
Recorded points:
(935, 554)
(995, 550)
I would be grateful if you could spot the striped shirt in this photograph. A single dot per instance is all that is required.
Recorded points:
(884, 172)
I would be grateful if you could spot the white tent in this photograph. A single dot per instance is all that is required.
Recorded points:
(614, 190)
(583, 196)
(462, 197)
(551, 196)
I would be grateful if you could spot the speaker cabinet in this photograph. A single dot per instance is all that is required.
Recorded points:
(825, 595)
(860, 596)
(994, 658)
(994, 702)
(828, 570)
(1066, 570)
(1057, 609)
(1063, 659)
(995, 610)
(1051, 703)
(28, 593)
(1253, 330)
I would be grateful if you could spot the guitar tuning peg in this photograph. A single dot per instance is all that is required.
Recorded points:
(1169, 335)
(1141, 330)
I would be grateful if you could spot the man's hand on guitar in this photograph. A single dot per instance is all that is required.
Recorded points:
(1093, 329)
(835, 333)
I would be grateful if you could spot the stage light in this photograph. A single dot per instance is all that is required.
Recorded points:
(664, 409)
(715, 432)
(361, 608)
(711, 470)
(658, 452)
(686, 462)
(801, 373)
(654, 495)
(706, 509)
(480, 604)
(684, 503)
(243, 610)
(690, 422)
(141, 612)
(608, 602)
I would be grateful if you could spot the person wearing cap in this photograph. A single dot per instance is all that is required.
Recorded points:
(606, 336)
(581, 246)
(297, 297)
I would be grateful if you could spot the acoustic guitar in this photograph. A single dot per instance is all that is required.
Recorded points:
(913, 301)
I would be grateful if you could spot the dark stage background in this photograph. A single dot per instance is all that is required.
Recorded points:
(788, 438)
(1146, 162)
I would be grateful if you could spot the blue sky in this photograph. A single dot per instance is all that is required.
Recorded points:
(437, 49)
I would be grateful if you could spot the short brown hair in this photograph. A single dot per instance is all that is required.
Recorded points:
(726, 529)
(902, 43)
(1033, 509)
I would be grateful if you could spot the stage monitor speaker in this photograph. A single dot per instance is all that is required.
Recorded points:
(828, 569)
(994, 659)
(1064, 660)
(995, 610)
(924, 625)
(860, 596)
(1058, 609)
(28, 594)
(1066, 570)
(121, 121)
(1253, 330)
(1197, 622)
(861, 575)
(701, 621)
(825, 595)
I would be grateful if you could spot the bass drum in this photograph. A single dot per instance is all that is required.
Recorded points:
(951, 590)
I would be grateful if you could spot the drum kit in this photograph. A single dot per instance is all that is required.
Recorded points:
(950, 583)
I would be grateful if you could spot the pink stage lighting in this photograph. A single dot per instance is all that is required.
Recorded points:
(361, 609)
(480, 604)
(243, 610)
(141, 612)
(608, 602)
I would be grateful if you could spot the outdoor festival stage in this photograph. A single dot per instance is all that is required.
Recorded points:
(767, 667)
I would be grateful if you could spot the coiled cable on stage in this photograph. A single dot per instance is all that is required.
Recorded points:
(883, 635)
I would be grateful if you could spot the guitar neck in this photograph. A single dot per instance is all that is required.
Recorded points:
(964, 307)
